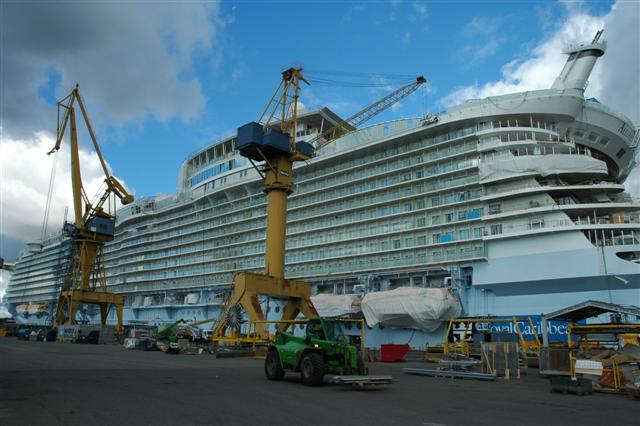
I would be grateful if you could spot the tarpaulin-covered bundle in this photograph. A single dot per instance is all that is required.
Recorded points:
(334, 305)
(540, 165)
(409, 307)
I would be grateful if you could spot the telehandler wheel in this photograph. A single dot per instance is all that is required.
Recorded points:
(312, 369)
(272, 368)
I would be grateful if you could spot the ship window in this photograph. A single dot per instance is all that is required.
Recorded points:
(396, 244)
(496, 229)
(603, 141)
(477, 232)
(620, 153)
(448, 217)
(435, 220)
(536, 223)
(593, 137)
(435, 238)
(495, 208)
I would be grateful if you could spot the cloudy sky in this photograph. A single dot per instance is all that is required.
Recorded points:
(163, 79)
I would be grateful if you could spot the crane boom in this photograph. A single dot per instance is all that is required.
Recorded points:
(360, 117)
(80, 199)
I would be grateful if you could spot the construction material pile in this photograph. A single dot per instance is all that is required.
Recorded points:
(609, 369)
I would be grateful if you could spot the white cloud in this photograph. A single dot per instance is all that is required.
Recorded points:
(483, 39)
(406, 39)
(5, 276)
(539, 70)
(481, 25)
(420, 8)
(4, 279)
(134, 60)
(25, 171)
(614, 80)
(352, 12)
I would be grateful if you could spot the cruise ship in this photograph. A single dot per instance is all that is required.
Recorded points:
(513, 204)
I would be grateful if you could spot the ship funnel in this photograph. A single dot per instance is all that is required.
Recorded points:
(580, 63)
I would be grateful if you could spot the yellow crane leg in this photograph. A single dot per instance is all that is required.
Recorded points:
(88, 254)
(276, 233)
(74, 298)
(278, 184)
(248, 286)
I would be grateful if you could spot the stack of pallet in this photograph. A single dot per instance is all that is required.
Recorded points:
(501, 359)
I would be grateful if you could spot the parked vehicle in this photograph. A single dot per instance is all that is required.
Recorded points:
(92, 338)
(323, 350)
(51, 336)
(23, 334)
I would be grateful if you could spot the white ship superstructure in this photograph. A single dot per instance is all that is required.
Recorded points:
(516, 202)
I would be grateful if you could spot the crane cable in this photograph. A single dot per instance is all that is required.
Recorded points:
(47, 207)
(323, 77)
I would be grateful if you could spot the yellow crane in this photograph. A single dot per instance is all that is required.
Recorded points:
(262, 141)
(85, 282)
(258, 141)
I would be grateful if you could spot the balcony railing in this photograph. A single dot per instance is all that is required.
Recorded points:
(608, 237)
(627, 219)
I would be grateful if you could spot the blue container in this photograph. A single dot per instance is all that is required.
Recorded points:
(249, 134)
(249, 138)
(102, 225)
(305, 148)
(275, 142)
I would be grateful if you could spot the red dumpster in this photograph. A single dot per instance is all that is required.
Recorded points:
(393, 353)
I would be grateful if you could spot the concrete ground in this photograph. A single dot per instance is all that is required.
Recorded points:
(64, 384)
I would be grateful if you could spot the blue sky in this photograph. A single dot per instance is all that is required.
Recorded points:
(451, 44)
(164, 79)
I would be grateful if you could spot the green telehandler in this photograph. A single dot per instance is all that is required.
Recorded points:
(169, 332)
(323, 350)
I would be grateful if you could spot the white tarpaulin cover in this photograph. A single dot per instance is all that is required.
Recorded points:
(543, 165)
(411, 307)
(334, 305)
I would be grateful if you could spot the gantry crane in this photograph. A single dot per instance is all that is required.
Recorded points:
(85, 282)
(277, 148)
